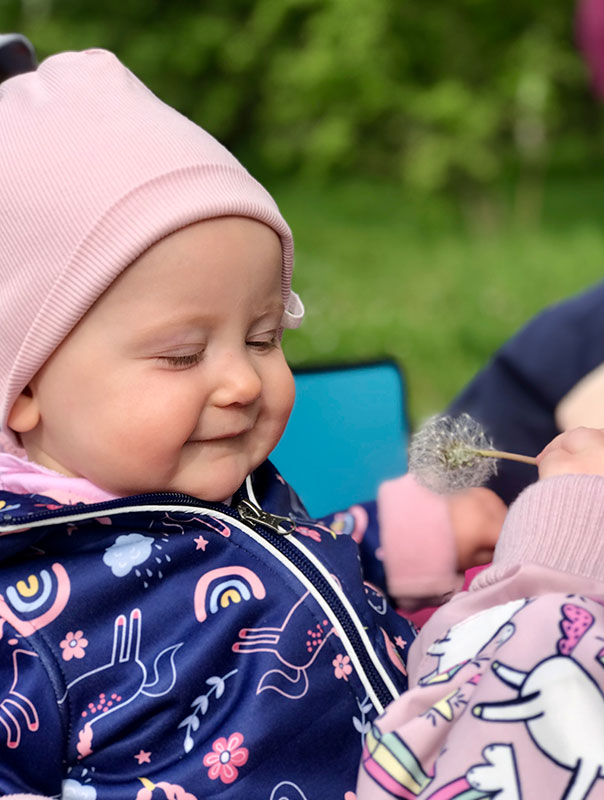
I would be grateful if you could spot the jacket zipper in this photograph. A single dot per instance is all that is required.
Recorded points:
(271, 532)
(380, 687)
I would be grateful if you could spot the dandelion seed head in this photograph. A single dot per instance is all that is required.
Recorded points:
(443, 457)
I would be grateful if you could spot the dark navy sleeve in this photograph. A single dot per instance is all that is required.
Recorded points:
(31, 738)
(516, 395)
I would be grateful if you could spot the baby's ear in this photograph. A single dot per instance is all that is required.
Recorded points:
(25, 414)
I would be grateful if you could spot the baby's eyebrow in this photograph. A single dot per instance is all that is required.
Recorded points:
(192, 328)
(271, 309)
(177, 331)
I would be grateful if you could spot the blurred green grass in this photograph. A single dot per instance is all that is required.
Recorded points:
(385, 273)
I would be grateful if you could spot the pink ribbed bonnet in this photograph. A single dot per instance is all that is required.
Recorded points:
(93, 170)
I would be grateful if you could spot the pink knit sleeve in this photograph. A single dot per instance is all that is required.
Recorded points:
(556, 523)
(552, 540)
(418, 544)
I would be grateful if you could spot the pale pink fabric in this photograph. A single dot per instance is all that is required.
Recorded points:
(21, 476)
(556, 524)
(559, 524)
(26, 797)
(93, 170)
(465, 726)
(416, 535)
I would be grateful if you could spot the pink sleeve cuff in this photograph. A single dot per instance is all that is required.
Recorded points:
(556, 523)
(420, 556)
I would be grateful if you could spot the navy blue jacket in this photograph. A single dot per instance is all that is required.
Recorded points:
(157, 646)
(516, 394)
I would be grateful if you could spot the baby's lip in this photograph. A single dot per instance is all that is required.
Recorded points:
(218, 437)
(232, 435)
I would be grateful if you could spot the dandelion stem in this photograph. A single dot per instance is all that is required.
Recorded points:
(508, 456)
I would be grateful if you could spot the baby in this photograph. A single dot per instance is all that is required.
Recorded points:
(172, 623)
(506, 695)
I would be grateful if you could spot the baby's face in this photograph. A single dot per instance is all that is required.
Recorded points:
(175, 379)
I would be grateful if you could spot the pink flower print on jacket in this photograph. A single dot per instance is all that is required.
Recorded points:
(310, 532)
(225, 757)
(342, 666)
(74, 645)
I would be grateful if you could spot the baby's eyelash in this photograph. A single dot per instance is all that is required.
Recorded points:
(191, 359)
(266, 344)
(182, 361)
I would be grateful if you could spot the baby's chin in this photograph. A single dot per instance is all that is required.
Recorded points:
(211, 488)
(217, 479)
(203, 491)
(214, 481)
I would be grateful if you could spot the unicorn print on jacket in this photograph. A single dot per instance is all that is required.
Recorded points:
(125, 660)
(561, 705)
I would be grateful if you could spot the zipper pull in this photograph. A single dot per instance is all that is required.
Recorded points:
(252, 514)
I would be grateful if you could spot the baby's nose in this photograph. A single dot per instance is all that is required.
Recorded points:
(238, 383)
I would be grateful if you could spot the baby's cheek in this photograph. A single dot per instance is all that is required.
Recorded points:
(287, 394)
(281, 418)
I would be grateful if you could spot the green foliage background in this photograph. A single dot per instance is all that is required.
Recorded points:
(439, 162)
(435, 94)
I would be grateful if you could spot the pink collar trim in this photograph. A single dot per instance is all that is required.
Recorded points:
(21, 476)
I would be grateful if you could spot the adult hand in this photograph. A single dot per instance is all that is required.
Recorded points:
(580, 451)
(476, 517)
